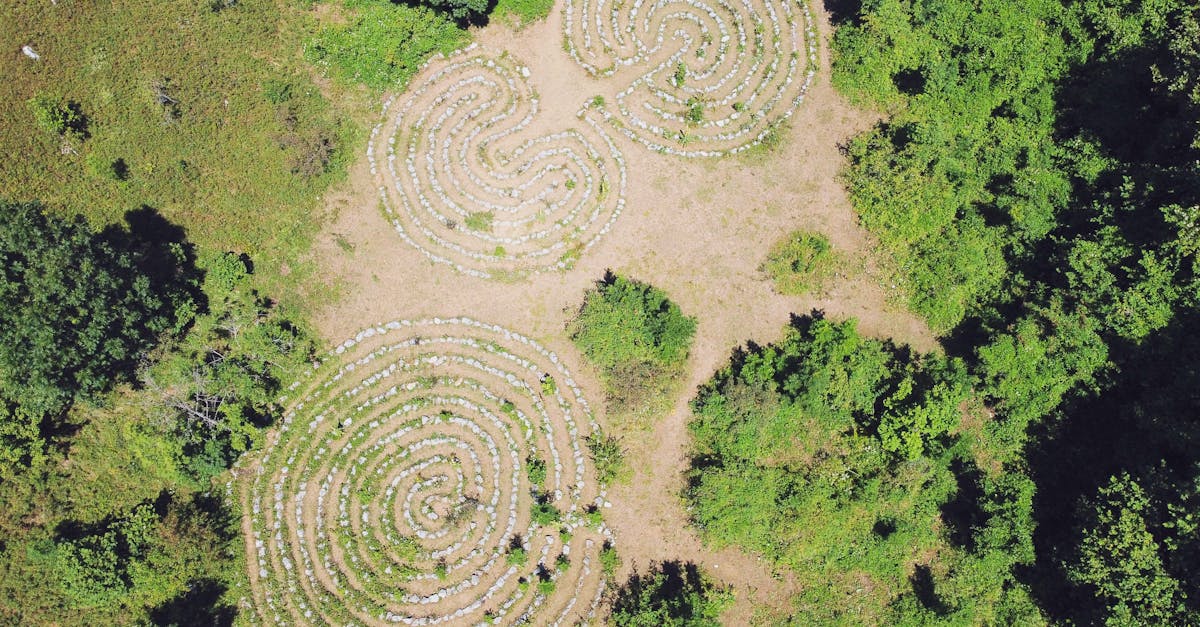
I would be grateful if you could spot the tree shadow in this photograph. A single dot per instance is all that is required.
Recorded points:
(924, 589)
(670, 589)
(200, 605)
(1147, 421)
(963, 513)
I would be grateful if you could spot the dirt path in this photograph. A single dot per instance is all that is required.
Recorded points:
(697, 229)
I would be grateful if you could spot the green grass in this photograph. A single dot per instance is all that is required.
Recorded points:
(802, 262)
(520, 13)
(240, 154)
(480, 221)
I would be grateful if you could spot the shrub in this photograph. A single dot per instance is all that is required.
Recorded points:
(545, 514)
(607, 456)
(56, 115)
(536, 469)
(635, 335)
(801, 263)
(670, 594)
(384, 44)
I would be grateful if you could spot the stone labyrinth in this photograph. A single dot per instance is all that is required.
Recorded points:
(468, 180)
(705, 77)
(468, 176)
(430, 472)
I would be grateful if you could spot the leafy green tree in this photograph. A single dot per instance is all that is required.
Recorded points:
(635, 335)
(824, 452)
(669, 594)
(1120, 558)
(217, 388)
(77, 311)
(98, 568)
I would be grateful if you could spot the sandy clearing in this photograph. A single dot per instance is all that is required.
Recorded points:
(698, 229)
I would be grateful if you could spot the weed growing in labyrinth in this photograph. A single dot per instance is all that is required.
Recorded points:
(480, 221)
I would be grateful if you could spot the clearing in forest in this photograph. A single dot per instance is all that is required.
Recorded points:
(499, 187)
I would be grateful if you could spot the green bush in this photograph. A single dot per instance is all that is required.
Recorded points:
(384, 44)
(608, 457)
(802, 262)
(56, 115)
(670, 594)
(635, 336)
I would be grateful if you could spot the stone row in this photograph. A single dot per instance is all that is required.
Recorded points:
(398, 483)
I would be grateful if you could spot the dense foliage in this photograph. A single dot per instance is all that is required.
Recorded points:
(217, 388)
(635, 336)
(77, 310)
(384, 43)
(668, 594)
(1036, 185)
(837, 456)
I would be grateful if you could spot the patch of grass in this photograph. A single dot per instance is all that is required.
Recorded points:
(383, 44)
(520, 13)
(480, 221)
(802, 262)
(207, 117)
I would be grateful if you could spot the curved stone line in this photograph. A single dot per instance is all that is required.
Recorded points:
(465, 177)
(743, 65)
(399, 479)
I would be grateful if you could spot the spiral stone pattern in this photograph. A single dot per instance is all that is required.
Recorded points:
(468, 177)
(402, 481)
(705, 78)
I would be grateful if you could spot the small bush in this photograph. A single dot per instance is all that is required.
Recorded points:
(801, 263)
(536, 469)
(607, 456)
(610, 560)
(636, 336)
(56, 115)
(545, 514)
(517, 556)
(670, 594)
(384, 44)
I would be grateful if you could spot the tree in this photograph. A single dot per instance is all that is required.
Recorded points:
(1119, 558)
(635, 335)
(77, 310)
(670, 594)
(217, 388)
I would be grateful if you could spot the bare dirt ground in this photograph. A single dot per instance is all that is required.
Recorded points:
(697, 229)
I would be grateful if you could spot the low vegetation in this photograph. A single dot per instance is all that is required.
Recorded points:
(802, 263)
